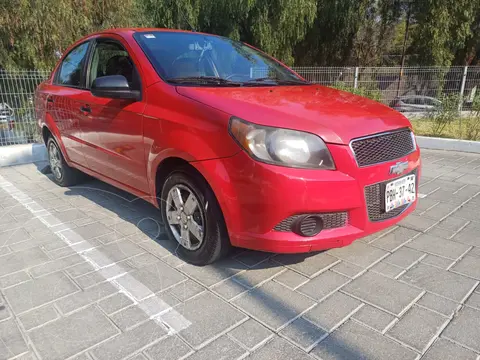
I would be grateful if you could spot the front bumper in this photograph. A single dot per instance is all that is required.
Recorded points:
(255, 197)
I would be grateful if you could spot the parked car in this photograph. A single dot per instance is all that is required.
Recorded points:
(7, 122)
(416, 103)
(233, 147)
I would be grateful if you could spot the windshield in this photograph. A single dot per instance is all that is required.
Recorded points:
(207, 60)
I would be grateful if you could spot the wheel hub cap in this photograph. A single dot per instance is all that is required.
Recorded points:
(55, 161)
(185, 217)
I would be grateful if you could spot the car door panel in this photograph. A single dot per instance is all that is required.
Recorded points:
(112, 129)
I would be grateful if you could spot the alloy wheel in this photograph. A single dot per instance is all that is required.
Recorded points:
(55, 161)
(185, 217)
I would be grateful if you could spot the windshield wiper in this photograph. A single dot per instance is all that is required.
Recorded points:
(203, 80)
(275, 81)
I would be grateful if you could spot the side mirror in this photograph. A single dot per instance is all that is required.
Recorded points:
(114, 87)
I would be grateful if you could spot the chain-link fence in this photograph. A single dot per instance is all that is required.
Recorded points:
(411, 89)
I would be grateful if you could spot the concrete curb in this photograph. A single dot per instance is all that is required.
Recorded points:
(448, 144)
(22, 154)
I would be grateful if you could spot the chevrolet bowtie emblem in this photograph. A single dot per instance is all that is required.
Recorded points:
(399, 168)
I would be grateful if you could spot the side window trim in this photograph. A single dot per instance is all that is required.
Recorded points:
(91, 54)
(82, 76)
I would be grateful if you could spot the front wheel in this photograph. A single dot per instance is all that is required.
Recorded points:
(193, 218)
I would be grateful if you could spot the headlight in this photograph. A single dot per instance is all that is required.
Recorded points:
(281, 146)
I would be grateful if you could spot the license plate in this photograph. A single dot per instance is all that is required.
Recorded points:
(400, 192)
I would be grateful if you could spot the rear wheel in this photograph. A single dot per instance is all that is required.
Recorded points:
(193, 218)
(63, 174)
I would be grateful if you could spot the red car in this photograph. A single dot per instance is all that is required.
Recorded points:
(232, 146)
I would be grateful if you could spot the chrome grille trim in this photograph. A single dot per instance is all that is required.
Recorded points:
(330, 221)
(375, 200)
(380, 148)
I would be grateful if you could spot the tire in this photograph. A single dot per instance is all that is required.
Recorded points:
(215, 243)
(63, 174)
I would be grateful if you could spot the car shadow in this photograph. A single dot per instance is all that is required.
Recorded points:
(131, 209)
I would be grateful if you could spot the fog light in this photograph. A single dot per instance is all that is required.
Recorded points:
(308, 226)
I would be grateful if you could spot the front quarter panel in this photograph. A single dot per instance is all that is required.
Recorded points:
(175, 126)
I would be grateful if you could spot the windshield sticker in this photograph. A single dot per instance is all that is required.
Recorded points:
(149, 36)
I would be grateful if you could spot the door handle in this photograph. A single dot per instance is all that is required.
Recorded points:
(86, 109)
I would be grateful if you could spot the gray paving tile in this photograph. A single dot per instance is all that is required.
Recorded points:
(291, 279)
(418, 327)
(142, 260)
(417, 223)
(279, 348)
(333, 311)
(158, 276)
(186, 290)
(146, 309)
(68, 336)
(404, 257)
(11, 340)
(85, 297)
(212, 274)
(13, 279)
(91, 231)
(438, 246)
(359, 254)
(129, 342)
(17, 261)
(38, 317)
(259, 273)
(323, 285)
(465, 328)
(474, 300)
(34, 293)
(229, 289)
(206, 324)
(171, 348)
(469, 266)
(373, 317)
(251, 334)
(386, 269)
(347, 269)
(303, 333)
(469, 235)
(223, 348)
(438, 261)
(56, 265)
(273, 304)
(438, 281)
(447, 350)
(252, 258)
(354, 341)
(307, 264)
(115, 303)
(388, 294)
(13, 236)
(114, 252)
(395, 238)
(438, 304)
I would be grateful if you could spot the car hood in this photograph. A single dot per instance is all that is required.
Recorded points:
(336, 116)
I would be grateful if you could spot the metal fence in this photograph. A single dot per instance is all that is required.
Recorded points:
(410, 89)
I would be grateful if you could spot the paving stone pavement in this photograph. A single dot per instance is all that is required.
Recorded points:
(86, 273)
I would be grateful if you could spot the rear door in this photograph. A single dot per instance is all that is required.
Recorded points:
(113, 128)
(65, 97)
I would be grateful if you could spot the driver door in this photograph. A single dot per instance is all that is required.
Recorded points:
(113, 128)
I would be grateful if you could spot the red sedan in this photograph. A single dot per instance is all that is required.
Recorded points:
(232, 146)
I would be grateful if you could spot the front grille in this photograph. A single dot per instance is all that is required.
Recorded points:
(383, 147)
(330, 221)
(375, 198)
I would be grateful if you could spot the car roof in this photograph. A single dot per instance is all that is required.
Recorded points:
(131, 31)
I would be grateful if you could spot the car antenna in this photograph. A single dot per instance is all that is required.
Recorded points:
(185, 17)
